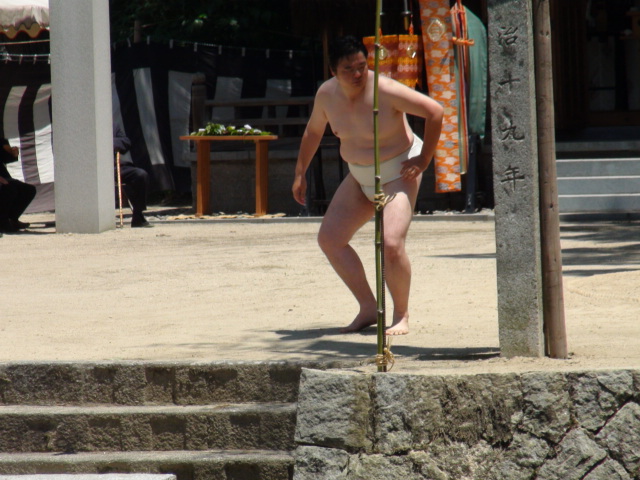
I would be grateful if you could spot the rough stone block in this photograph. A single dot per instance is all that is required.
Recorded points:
(412, 412)
(577, 454)
(136, 433)
(91, 476)
(528, 451)
(609, 470)
(406, 411)
(547, 406)
(122, 384)
(381, 467)
(426, 466)
(593, 404)
(459, 460)
(334, 410)
(233, 382)
(40, 384)
(621, 439)
(316, 463)
(522, 458)
(471, 427)
(160, 383)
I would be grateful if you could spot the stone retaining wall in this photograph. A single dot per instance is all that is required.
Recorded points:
(540, 425)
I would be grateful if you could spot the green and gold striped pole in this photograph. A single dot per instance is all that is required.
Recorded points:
(379, 225)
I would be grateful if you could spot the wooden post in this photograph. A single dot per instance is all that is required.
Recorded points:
(553, 300)
(119, 179)
(203, 186)
(262, 176)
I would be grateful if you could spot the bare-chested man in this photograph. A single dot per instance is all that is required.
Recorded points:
(345, 102)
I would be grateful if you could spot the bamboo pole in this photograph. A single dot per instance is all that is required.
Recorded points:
(119, 188)
(553, 301)
(379, 224)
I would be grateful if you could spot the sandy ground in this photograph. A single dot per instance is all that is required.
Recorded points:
(227, 289)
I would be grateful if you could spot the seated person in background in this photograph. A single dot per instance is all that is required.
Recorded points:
(134, 179)
(15, 196)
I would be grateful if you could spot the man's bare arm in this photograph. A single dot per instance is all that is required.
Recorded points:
(431, 134)
(409, 101)
(308, 146)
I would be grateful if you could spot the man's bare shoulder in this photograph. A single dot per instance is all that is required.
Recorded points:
(404, 98)
(394, 87)
(327, 88)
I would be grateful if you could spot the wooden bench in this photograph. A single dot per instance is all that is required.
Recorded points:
(285, 118)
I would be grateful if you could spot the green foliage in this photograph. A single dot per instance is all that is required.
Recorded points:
(216, 129)
(248, 23)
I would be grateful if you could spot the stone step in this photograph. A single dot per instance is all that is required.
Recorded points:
(137, 383)
(599, 203)
(612, 185)
(598, 167)
(588, 145)
(186, 465)
(265, 426)
(599, 185)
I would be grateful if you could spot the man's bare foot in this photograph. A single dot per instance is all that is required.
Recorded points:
(361, 322)
(400, 327)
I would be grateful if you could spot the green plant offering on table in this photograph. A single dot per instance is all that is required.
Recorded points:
(217, 129)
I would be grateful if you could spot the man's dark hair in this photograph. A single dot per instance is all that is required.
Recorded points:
(343, 47)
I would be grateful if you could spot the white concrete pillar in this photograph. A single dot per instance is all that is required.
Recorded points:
(82, 116)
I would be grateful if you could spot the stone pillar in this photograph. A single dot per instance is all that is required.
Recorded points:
(515, 177)
(82, 116)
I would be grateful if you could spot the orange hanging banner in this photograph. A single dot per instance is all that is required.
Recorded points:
(437, 31)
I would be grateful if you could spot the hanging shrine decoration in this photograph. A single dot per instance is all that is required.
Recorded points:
(446, 45)
(446, 56)
(398, 55)
(462, 43)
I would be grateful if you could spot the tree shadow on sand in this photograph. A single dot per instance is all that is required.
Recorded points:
(345, 349)
(613, 245)
(609, 248)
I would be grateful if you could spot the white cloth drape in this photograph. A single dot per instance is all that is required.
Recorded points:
(30, 16)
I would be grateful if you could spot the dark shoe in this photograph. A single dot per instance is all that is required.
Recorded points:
(138, 221)
(7, 226)
(20, 225)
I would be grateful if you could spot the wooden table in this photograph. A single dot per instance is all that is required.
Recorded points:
(203, 148)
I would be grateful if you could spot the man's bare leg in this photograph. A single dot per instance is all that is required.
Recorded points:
(397, 219)
(348, 212)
